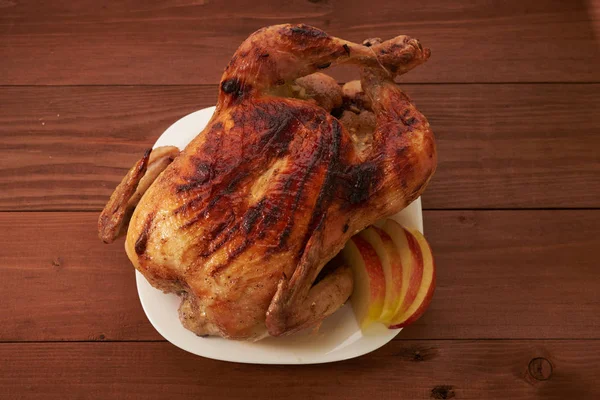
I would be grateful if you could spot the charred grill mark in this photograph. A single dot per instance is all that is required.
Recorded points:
(188, 205)
(346, 49)
(217, 127)
(228, 190)
(219, 228)
(323, 66)
(235, 87)
(309, 31)
(345, 228)
(204, 172)
(202, 177)
(231, 256)
(328, 187)
(277, 138)
(300, 190)
(230, 86)
(284, 236)
(211, 204)
(233, 184)
(271, 216)
(247, 225)
(410, 121)
(238, 250)
(219, 232)
(287, 185)
(252, 215)
(145, 159)
(222, 239)
(363, 177)
(142, 241)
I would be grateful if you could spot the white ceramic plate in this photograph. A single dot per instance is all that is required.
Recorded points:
(339, 337)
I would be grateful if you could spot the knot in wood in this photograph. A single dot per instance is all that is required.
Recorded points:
(443, 392)
(540, 369)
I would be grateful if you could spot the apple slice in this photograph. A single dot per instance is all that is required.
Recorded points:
(410, 260)
(369, 280)
(392, 269)
(421, 283)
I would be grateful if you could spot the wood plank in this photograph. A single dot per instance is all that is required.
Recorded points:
(500, 146)
(132, 42)
(411, 369)
(501, 274)
(63, 284)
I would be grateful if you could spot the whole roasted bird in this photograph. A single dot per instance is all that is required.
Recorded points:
(242, 222)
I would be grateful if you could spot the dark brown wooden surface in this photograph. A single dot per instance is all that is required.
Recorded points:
(414, 369)
(184, 42)
(512, 93)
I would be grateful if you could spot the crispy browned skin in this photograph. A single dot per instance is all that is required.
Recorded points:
(243, 221)
(113, 220)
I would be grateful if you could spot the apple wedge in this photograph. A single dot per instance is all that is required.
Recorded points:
(393, 270)
(369, 280)
(410, 259)
(421, 284)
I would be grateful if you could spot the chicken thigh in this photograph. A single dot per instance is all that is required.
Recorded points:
(242, 222)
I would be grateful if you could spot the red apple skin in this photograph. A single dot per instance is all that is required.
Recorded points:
(422, 308)
(370, 286)
(426, 253)
(386, 250)
(408, 247)
(417, 275)
(373, 267)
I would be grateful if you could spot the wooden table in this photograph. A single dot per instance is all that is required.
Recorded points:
(513, 94)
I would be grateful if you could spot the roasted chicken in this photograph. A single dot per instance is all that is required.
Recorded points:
(243, 221)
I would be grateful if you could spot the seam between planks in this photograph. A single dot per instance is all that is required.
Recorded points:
(216, 83)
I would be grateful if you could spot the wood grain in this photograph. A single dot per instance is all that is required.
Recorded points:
(501, 274)
(500, 146)
(407, 370)
(159, 42)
